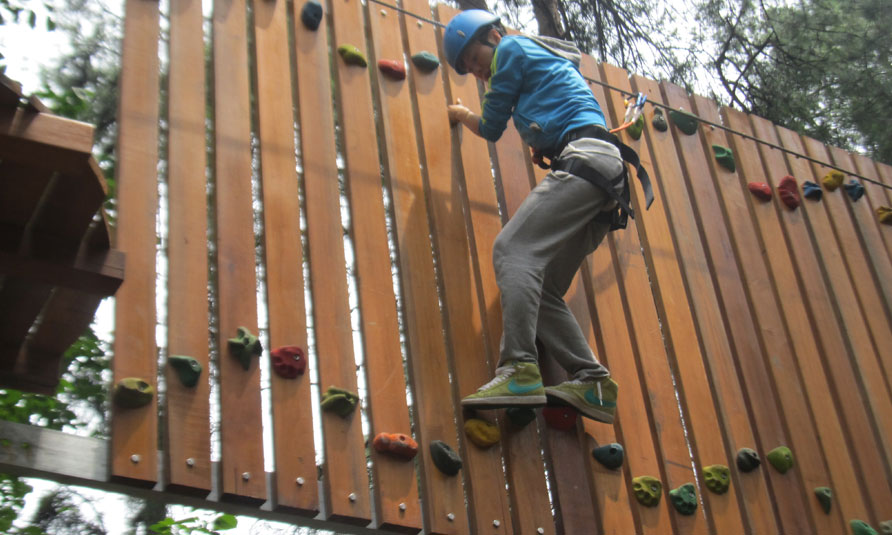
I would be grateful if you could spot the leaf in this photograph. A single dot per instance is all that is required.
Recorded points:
(225, 521)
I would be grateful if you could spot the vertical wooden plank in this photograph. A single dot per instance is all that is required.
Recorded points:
(710, 442)
(484, 479)
(875, 195)
(293, 447)
(792, 302)
(188, 408)
(772, 417)
(394, 483)
(240, 426)
(134, 431)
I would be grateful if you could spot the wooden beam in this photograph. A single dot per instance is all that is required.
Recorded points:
(44, 140)
(97, 273)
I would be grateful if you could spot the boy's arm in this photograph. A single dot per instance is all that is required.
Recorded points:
(458, 113)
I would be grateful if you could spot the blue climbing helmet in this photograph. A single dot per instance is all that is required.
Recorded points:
(463, 30)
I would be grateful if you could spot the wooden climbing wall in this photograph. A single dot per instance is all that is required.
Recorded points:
(324, 205)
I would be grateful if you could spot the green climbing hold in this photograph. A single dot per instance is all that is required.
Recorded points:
(188, 369)
(659, 121)
(684, 498)
(311, 15)
(724, 156)
(482, 433)
(132, 393)
(610, 455)
(520, 416)
(244, 346)
(445, 458)
(747, 460)
(425, 61)
(833, 180)
(352, 55)
(854, 189)
(860, 527)
(339, 401)
(825, 497)
(718, 478)
(686, 122)
(637, 128)
(781, 458)
(648, 490)
(886, 527)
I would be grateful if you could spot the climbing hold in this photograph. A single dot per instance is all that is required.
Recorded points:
(684, 498)
(481, 432)
(659, 120)
(781, 458)
(393, 69)
(188, 369)
(647, 490)
(825, 497)
(445, 458)
(812, 191)
(610, 455)
(339, 401)
(686, 122)
(425, 61)
(636, 128)
(132, 393)
(860, 527)
(884, 214)
(747, 460)
(520, 416)
(724, 156)
(560, 418)
(718, 478)
(244, 346)
(352, 55)
(396, 444)
(833, 180)
(311, 15)
(760, 190)
(886, 527)
(854, 189)
(289, 361)
(788, 192)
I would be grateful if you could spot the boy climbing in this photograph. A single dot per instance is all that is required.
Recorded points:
(536, 81)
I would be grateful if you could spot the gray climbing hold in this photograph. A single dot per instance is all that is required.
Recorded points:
(825, 497)
(610, 455)
(684, 499)
(659, 121)
(188, 369)
(747, 460)
(520, 416)
(311, 15)
(886, 527)
(445, 458)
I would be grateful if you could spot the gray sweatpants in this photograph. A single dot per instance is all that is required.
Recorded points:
(539, 251)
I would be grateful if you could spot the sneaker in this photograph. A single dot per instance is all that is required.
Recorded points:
(592, 399)
(515, 385)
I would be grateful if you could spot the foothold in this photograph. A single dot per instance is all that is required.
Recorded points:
(560, 418)
(659, 121)
(684, 499)
(788, 192)
(854, 189)
(339, 401)
(825, 497)
(520, 416)
(812, 191)
(311, 15)
(132, 393)
(610, 455)
(188, 369)
(637, 128)
(482, 433)
(886, 527)
(352, 56)
(445, 458)
(686, 122)
(724, 156)
(884, 214)
(244, 346)
(392, 69)
(748, 460)
(860, 527)
(833, 180)
(647, 490)
(397, 444)
(289, 361)
(718, 478)
(781, 458)
(760, 190)
(425, 61)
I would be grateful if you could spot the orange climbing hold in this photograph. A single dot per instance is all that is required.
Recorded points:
(392, 69)
(396, 444)
(760, 190)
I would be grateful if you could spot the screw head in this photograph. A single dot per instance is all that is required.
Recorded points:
(299, 481)
(190, 462)
(383, 13)
(450, 517)
(420, 24)
(496, 523)
(352, 497)
(540, 531)
(403, 506)
(135, 458)
(246, 475)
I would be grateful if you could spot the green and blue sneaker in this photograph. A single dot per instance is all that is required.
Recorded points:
(592, 399)
(515, 385)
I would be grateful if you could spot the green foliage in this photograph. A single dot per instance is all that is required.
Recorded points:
(194, 524)
(12, 499)
(21, 12)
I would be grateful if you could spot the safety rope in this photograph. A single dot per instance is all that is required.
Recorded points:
(669, 108)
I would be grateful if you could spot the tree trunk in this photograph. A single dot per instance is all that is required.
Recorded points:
(472, 4)
(548, 17)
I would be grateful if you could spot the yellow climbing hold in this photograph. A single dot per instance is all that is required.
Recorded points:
(884, 213)
(481, 432)
(833, 180)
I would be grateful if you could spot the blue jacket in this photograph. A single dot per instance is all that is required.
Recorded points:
(544, 93)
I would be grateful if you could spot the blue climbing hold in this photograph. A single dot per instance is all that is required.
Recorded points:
(854, 189)
(811, 190)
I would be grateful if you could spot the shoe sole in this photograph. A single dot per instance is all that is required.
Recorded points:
(503, 402)
(556, 397)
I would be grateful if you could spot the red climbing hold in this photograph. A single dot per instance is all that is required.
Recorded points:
(760, 189)
(392, 69)
(289, 361)
(397, 444)
(560, 418)
(788, 192)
